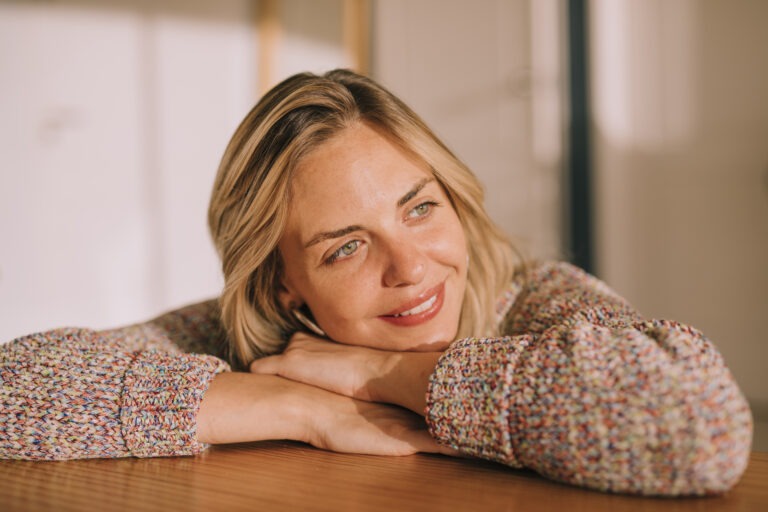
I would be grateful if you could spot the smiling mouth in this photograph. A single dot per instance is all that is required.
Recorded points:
(420, 308)
(421, 312)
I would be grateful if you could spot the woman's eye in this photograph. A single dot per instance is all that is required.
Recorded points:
(422, 209)
(348, 249)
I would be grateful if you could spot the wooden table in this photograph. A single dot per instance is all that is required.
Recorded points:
(292, 476)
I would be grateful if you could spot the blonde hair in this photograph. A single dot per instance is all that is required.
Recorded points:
(251, 196)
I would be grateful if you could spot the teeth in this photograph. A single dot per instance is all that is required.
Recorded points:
(420, 308)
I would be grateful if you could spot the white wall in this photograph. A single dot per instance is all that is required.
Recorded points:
(115, 117)
(72, 222)
(87, 158)
(680, 90)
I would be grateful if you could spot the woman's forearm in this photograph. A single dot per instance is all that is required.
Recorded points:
(406, 381)
(649, 408)
(399, 378)
(241, 407)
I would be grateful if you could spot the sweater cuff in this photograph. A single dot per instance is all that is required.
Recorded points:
(469, 398)
(160, 400)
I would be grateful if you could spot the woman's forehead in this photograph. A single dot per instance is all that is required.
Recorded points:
(357, 177)
(358, 160)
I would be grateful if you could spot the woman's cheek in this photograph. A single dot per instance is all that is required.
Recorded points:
(343, 298)
(449, 244)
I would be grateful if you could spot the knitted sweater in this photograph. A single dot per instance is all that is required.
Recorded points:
(581, 389)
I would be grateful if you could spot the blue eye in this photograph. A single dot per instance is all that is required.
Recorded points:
(348, 249)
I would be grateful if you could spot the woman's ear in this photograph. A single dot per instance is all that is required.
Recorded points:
(289, 299)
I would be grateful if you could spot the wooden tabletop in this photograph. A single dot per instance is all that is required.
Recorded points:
(293, 476)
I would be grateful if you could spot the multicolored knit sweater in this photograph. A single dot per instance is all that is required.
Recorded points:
(582, 390)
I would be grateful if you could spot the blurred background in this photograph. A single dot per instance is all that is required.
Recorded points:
(629, 136)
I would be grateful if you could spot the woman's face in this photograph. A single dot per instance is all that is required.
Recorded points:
(373, 246)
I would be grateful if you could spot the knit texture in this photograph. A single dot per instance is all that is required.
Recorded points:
(581, 389)
(585, 391)
(77, 393)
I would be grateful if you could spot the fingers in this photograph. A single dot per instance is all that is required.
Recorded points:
(425, 443)
(269, 365)
(421, 441)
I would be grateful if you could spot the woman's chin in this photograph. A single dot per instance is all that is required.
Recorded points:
(424, 338)
(437, 344)
(430, 344)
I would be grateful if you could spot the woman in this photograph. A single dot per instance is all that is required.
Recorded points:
(365, 286)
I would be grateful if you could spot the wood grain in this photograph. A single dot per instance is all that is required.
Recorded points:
(292, 476)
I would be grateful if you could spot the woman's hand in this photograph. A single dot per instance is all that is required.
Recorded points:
(241, 407)
(339, 368)
(343, 424)
(399, 378)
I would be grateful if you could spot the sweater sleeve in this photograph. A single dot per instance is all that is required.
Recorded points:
(134, 391)
(585, 391)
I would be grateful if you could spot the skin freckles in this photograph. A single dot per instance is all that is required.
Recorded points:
(373, 246)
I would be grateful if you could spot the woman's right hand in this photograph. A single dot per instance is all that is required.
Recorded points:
(399, 378)
(242, 407)
(344, 424)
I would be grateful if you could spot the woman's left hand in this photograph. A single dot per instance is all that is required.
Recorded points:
(399, 378)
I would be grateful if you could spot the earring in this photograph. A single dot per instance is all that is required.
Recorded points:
(306, 322)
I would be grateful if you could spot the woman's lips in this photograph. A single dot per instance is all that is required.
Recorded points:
(419, 310)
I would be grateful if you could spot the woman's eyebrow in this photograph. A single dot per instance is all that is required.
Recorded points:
(328, 235)
(415, 190)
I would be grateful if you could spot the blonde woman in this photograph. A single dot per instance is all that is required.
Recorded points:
(371, 306)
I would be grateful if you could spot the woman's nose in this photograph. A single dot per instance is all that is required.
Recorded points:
(406, 264)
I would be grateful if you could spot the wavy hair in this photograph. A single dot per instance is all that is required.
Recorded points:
(252, 193)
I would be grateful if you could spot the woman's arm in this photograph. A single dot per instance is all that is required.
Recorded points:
(78, 393)
(242, 407)
(372, 375)
(583, 390)
(593, 395)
